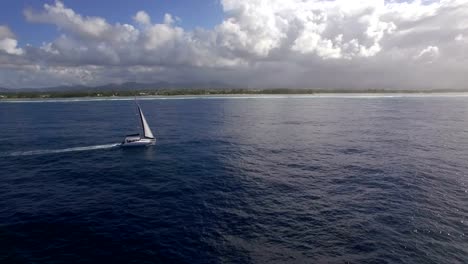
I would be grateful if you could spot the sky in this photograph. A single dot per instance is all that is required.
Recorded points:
(335, 44)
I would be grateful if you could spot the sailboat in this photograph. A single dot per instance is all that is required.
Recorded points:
(138, 140)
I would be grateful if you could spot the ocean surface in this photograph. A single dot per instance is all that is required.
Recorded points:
(260, 179)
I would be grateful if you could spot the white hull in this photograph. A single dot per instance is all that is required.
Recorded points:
(138, 142)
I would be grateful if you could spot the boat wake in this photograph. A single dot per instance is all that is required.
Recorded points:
(54, 151)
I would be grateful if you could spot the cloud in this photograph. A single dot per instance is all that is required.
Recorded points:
(430, 53)
(5, 32)
(327, 29)
(66, 19)
(459, 37)
(259, 43)
(143, 18)
(8, 42)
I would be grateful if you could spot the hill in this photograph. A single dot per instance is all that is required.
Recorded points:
(119, 87)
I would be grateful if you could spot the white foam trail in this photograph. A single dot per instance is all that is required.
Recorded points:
(54, 151)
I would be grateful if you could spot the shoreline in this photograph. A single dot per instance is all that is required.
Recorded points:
(241, 96)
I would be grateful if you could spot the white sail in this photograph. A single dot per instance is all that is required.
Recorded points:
(146, 129)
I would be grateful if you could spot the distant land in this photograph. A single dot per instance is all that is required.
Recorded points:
(171, 89)
(133, 86)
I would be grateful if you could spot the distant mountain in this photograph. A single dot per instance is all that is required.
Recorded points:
(128, 86)
(161, 85)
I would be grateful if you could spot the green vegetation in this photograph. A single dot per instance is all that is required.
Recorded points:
(175, 92)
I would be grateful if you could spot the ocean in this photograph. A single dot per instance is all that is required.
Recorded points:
(240, 179)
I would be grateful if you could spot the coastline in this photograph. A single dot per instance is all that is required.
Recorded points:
(238, 96)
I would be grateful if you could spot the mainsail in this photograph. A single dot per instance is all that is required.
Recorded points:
(146, 129)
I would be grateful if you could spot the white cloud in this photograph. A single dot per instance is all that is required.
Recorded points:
(459, 37)
(143, 18)
(5, 32)
(8, 43)
(10, 46)
(66, 19)
(294, 43)
(168, 20)
(428, 54)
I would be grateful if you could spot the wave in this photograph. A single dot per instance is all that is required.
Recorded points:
(54, 151)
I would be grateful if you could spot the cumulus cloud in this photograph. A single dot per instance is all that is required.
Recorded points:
(430, 53)
(459, 37)
(8, 42)
(260, 43)
(327, 29)
(5, 32)
(66, 19)
(143, 18)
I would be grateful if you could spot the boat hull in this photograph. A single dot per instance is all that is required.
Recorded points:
(141, 142)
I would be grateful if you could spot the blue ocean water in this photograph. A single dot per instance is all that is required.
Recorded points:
(337, 179)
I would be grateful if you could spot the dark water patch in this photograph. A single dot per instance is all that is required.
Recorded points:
(76, 243)
(351, 151)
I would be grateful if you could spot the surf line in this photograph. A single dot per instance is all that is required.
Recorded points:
(54, 151)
